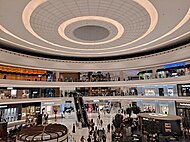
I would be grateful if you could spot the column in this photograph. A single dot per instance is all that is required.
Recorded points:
(57, 75)
(62, 91)
(19, 94)
(121, 75)
(154, 72)
(57, 92)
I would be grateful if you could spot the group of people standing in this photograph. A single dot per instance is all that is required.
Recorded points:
(95, 134)
(99, 121)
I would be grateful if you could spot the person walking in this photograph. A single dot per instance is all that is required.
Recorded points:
(46, 118)
(95, 136)
(101, 122)
(98, 115)
(98, 121)
(108, 128)
(55, 112)
(89, 139)
(73, 128)
(112, 127)
(82, 139)
(104, 138)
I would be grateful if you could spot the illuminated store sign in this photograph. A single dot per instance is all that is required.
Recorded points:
(49, 103)
(9, 88)
(3, 106)
(145, 119)
(184, 104)
(185, 86)
(174, 65)
(158, 115)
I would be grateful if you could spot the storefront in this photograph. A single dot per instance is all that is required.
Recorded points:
(96, 105)
(67, 91)
(68, 106)
(50, 76)
(49, 107)
(94, 76)
(164, 124)
(163, 107)
(10, 112)
(84, 77)
(84, 91)
(103, 91)
(160, 73)
(149, 107)
(100, 91)
(34, 93)
(92, 105)
(183, 109)
(145, 74)
(158, 90)
(173, 70)
(18, 73)
(30, 110)
(53, 107)
(183, 89)
(19, 93)
(69, 76)
(11, 93)
(50, 92)
(133, 91)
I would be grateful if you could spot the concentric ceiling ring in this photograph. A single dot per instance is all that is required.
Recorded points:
(63, 26)
(32, 5)
(174, 29)
(71, 31)
(173, 32)
(91, 33)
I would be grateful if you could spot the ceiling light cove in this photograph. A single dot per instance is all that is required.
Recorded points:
(93, 29)
(126, 33)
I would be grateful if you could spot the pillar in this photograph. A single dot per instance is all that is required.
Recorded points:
(57, 75)
(121, 75)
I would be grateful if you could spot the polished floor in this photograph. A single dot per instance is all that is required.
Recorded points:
(70, 119)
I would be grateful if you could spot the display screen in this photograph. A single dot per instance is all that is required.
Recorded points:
(13, 93)
(170, 92)
(150, 92)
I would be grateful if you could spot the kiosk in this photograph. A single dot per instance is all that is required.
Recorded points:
(167, 125)
(44, 133)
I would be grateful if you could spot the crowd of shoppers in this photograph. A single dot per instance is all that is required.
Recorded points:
(96, 132)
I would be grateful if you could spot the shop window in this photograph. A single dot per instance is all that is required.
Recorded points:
(164, 109)
(161, 91)
(149, 108)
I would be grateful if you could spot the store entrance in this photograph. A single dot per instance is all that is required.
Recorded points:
(183, 112)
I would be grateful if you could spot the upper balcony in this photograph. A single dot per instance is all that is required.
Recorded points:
(132, 83)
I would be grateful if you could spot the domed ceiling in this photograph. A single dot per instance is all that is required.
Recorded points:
(93, 29)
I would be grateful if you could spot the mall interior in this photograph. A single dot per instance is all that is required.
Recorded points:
(94, 71)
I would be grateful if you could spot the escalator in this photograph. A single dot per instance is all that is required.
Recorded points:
(80, 111)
